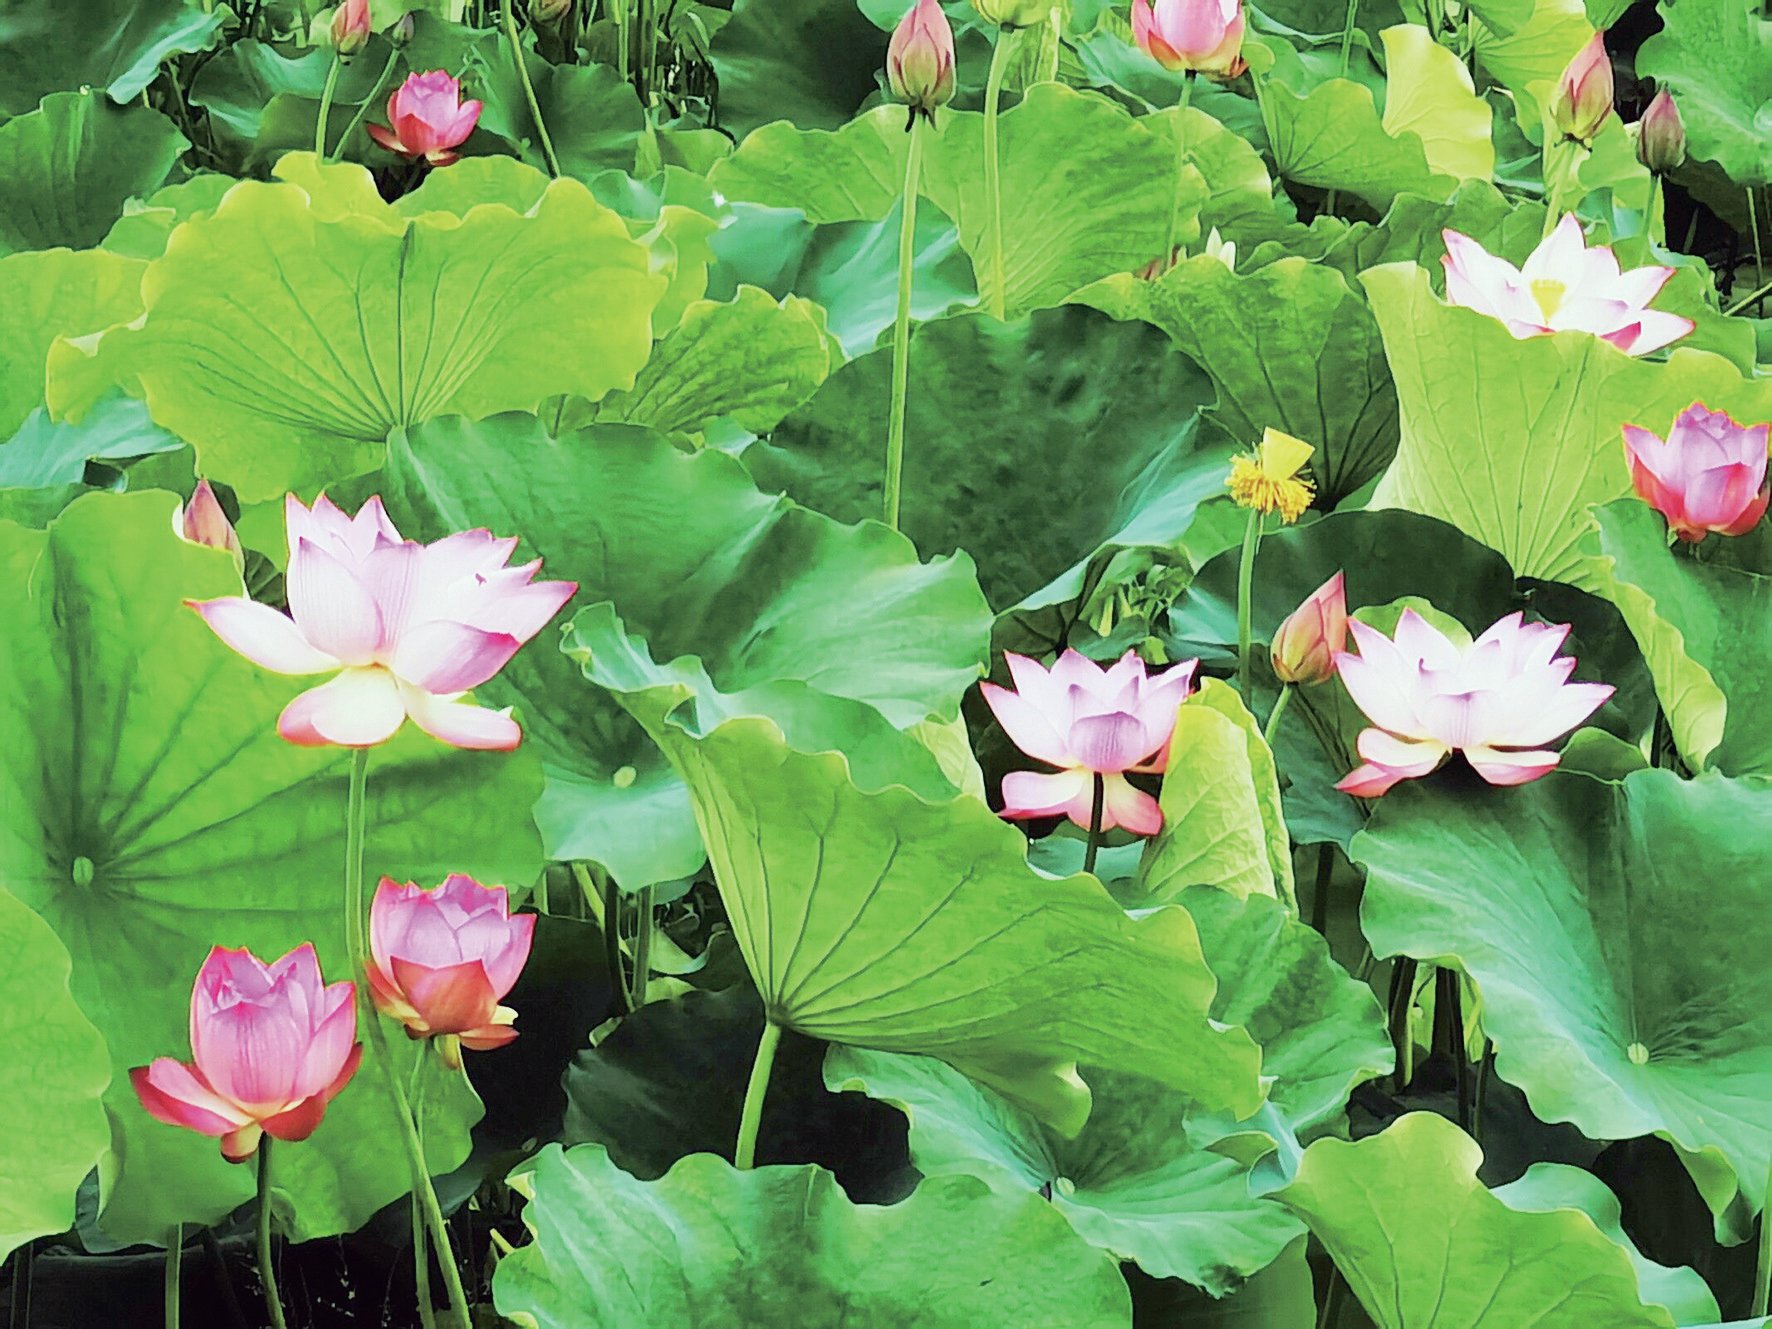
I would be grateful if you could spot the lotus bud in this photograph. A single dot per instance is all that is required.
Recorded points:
(350, 26)
(401, 32)
(1583, 98)
(1198, 36)
(920, 58)
(202, 522)
(1014, 13)
(1225, 251)
(1661, 135)
(1306, 643)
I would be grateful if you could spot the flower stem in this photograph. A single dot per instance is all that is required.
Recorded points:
(1402, 1000)
(421, 1257)
(541, 128)
(1347, 35)
(1245, 590)
(267, 1272)
(1273, 716)
(1748, 299)
(901, 330)
(993, 180)
(326, 107)
(175, 1254)
(1092, 845)
(744, 1155)
(1320, 891)
(374, 92)
(1181, 160)
(642, 947)
(356, 817)
(1763, 1265)
(1753, 230)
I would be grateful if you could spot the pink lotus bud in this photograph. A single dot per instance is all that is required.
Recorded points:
(1583, 98)
(350, 26)
(1203, 36)
(1496, 700)
(1661, 135)
(272, 1045)
(443, 959)
(395, 655)
(1710, 474)
(202, 522)
(429, 119)
(401, 32)
(920, 58)
(1305, 645)
(1089, 721)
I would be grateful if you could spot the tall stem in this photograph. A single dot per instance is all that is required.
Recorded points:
(175, 1255)
(363, 109)
(993, 180)
(421, 1257)
(618, 980)
(642, 947)
(1272, 728)
(326, 107)
(1181, 161)
(1347, 35)
(1763, 1265)
(1245, 595)
(1092, 846)
(1402, 1000)
(901, 330)
(1320, 891)
(1753, 229)
(267, 1273)
(541, 129)
(744, 1155)
(356, 820)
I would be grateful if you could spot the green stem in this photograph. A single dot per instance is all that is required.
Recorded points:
(541, 128)
(618, 979)
(374, 92)
(267, 1272)
(1763, 1265)
(642, 947)
(1320, 890)
(1347, 35)
(1485, 1062)
(993, 182)
(356, 818)
(1747, 299)
(1092, 846)
(175, 1255)
(1753, 229)
(1181, 160)
(1245, 589)
(1402, 1000)
(1332, 1299)
(901, 330)
(326, 107)
(744, 1155)
(421, 1257)
(1273, 716)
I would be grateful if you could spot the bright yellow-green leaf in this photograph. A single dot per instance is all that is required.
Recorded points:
(1428, 93)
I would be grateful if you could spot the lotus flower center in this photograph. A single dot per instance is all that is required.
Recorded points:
(1549, 293)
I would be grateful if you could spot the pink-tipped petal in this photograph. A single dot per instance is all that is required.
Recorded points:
(1369, 781)
(441, 656)
(332, 606)
(1030, 794)
(174, 1093)
(1125, 805)
(448, 999)
(298, 1122)
(265, 637)
(1510, 768)
(461, 724)
(1026, 727)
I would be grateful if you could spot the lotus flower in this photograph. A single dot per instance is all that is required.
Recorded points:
(1305, 645)
(429, 119)
(1496, 700)
(1268, 479)
(350, 26)
(442, 959)
(409, 628)
(1583, 98)
(1200, 36)
(920, 58)
(1088, 721)
(272, 1045)
(1563, 287)
(202, 522)
(1710, 474)
(1661, 135)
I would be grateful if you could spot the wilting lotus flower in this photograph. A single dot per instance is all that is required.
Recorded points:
(1495, 700)
(350, 26)
(1661, 135)
(429, 119)
(202, 522)
(1305, 645)
(271, 1046)
(1563, 287)
(920, 58)
(1203, 36)
(408, 627)
(1583, 98)
(1088, 721)
(1710, 474)
(1268, 478)
(443, 959)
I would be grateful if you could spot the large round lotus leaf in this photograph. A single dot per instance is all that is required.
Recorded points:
(67, 169)
(112, 45)
(1716, 59)
(51, 294)
(143, 231)
(804, 61)
(694, 559)
(1614, 931)
(1130, 1183)
(1022, 447)
(1512, 440)
(57, 1069)
(344, 319)
(1424, 1245)
(1279, 1297)
(1289, 346)
(151, 812)
(708, 1247)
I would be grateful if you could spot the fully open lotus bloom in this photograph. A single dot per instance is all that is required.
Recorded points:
(428, 118)
(1305, 645)
(1708, 475)
(408, 628)
(1088, 721)
(1563, 287)
(271, 1045)
(1583, 98)
(920, 58)
(1496, 700)
(1201, 36)
(443, 959)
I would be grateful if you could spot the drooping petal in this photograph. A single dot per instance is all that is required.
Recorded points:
(461, 724)
(1409, 758)
(1510, 768)
(1123, 804)
(238, 1146)
(298, 1122)
(487, 1037)
(176, 1094)
(265, 637)
(1031, 794)
(358, 709)
(1368, 781)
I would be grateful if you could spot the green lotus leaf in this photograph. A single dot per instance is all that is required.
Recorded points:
(68, 167)
(344, 320)
(115, 46)
(1512, 440)
(1279, 1297)
(1260, 337)
(57, 1069)
(51, 294)
(1611, 929)
(151, 811)
(239, 85)
(1529, 60)
(1239, 200)
(853, 172)
(799, 60)
(695, 560)
(1429, 94)
(707, 1247)
(147, 225)
(1716, 59)
(44, 453)
(1423, 1243)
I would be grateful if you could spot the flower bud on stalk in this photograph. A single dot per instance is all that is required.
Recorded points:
(1305, 645)
(1661, 135)
(920, 59)
(350, 27)
(1198, 36)
(1583, 98)
(202, 522)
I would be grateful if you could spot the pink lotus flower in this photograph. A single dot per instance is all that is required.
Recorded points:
(409, 628)
(920, 58)
(1204, 36)
(1088, 721)
(1583, 98)
(1710, 474)
(272, 1045)
(1563, 287)
(1305, 644)
(429, 119)
(1495, 700)
(202, 522)
(1661, 135)
(350, 27)
(444, 958)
